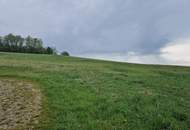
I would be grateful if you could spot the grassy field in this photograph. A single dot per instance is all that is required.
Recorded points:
(83, 94)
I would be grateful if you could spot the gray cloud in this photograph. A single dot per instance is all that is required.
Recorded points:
(99, 26)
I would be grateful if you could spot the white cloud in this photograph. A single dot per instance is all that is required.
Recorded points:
(177, 52)
(174, 53)
(130, 57)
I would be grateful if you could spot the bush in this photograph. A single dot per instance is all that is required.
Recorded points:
(65, 53)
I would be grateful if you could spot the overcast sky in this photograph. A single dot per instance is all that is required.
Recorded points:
(141, 31)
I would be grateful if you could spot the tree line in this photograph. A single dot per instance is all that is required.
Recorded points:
(16, 43)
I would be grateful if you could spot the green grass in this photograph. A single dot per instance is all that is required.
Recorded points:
(84, 94)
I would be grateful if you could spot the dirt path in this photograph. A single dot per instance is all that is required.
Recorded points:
(20, 105)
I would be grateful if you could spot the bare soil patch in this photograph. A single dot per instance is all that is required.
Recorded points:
(20, 105)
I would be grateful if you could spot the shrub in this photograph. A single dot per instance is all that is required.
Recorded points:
(65, 53)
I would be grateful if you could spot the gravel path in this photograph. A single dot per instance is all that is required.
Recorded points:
(20, 105)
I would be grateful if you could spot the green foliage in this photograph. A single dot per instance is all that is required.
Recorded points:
(65, 53)
(15, 43)
(84, 94)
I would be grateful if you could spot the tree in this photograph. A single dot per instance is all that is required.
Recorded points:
(19, 41)
(34, 45)
(65, 53)
(49, 50)
(38, 43)
(16, 43)
(29, 44)
(1, 43)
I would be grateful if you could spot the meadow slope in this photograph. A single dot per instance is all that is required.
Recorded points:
(99, 95)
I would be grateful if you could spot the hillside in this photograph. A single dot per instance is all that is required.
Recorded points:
(89, 94)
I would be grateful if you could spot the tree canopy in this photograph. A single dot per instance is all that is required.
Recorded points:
(65, 53)
(16, 43)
